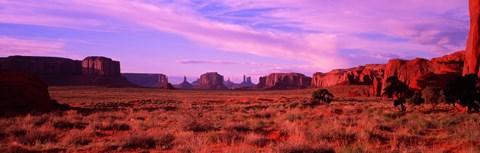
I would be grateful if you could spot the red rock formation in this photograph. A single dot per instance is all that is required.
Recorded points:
(162, 82)
(184, 85)
(281, 81)
(211, 81)
(146, 79)
(362, 75)
(100, 66)
(472, 60)
(52, 70)
(21, 92)
(97, 71)
(376, 89)
(420, 73)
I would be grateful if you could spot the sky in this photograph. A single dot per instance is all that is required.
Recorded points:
(234, 37)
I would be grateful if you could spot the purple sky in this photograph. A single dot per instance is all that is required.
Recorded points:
(234, 37)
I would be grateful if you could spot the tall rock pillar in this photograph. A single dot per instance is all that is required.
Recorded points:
(472, 56)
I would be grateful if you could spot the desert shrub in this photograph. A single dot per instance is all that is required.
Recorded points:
(322, 95)
(18, 132)
(301, 147)
(197, 126)
(33, 137)
(165, 141)
(433, 95)
(225, 137)
(416, 99)
(78, 138)
(112, 126)
(256, 140)
(139, 141)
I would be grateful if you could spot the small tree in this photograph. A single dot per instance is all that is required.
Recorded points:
(398, 90)
(323, 95)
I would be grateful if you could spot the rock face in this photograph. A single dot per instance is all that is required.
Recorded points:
(184, 85)
(282, 81)
(146, 79)
(362, 75)
(65, 72)
(22, 92)
(162, 82)
(420, 73)
(52, 70)
(472, 55)
(211, 81)
(100, 66)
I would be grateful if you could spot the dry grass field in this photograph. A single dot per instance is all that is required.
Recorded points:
(153, 120)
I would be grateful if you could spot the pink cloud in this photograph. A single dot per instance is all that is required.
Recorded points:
(16, 46)
(325, 26)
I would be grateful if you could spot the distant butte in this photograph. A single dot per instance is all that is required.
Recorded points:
(92, 71)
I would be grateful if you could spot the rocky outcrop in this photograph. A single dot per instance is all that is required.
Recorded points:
(211, 81)
(472, 55)
(420, 73)
(100, 66)
(52, 70)
(22, 92)
(246, 83)
(230, 85)
(184, 85)
(162, 82)
(281, 81)
(362, 75)
(146, 79)
(65, 72)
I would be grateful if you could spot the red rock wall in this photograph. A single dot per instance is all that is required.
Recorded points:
(420, 73)
(101, 66)
(281, 81)
(362, 75)
(472, 62)
(211, 81)
(41, 66)
(146, 80)
(92, 71)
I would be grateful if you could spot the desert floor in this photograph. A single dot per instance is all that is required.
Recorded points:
(153, 120)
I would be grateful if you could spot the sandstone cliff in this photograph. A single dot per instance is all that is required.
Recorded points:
(101, 66)
(362, 75)
(146, 79)
(64, 72)
(280, 81)
(210, 81)
(420, 73)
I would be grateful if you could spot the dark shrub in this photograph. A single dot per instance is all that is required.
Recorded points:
(416, 99)
(139, 141)
(34, 136)
(322, 95)
(433, 95)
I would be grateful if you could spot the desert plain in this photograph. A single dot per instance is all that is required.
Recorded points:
(102, 119)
